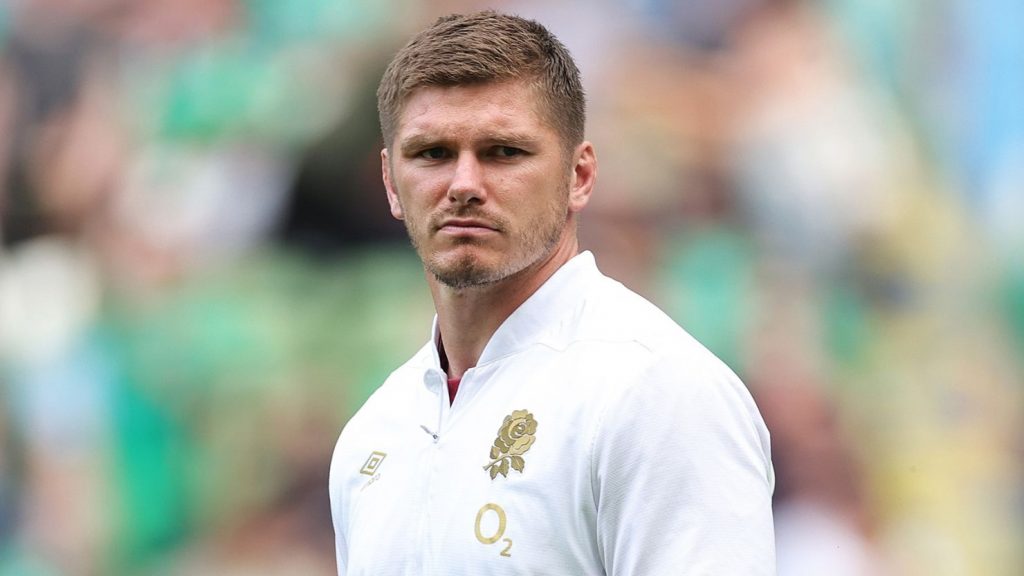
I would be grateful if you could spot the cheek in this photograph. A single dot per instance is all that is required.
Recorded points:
(422, 191)
(415, 209)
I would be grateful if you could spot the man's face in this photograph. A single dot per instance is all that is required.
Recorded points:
(483, 183)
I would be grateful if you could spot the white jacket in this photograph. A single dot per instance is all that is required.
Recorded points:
(594, 436)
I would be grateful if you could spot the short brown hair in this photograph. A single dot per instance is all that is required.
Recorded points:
(486, 47)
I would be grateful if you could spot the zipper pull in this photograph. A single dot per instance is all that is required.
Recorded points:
(428, 431)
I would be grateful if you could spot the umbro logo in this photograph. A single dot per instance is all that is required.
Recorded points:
(372, 463)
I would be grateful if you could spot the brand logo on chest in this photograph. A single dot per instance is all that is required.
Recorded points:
(515, 436)
(372, 463)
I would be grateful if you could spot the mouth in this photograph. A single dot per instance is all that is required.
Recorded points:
(466, 227)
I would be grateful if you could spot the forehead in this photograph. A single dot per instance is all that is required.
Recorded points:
(446, 111)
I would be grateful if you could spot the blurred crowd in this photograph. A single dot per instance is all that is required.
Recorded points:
(200, 281)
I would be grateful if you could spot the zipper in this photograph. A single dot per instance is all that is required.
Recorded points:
(431, 432)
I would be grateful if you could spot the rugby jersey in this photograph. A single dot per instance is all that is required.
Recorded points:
(594, 436)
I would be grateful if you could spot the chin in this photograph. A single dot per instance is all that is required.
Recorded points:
(463, 271)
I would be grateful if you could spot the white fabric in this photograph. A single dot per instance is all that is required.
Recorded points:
(649, 455)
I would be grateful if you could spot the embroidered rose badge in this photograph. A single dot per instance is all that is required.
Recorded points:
(515, 436)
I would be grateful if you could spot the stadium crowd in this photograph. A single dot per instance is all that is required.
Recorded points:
(200, 281)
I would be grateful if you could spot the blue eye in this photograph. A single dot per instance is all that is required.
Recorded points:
(435, 153)
(507, 151)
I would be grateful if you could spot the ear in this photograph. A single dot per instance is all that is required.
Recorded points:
(393, 201)
(584, 174)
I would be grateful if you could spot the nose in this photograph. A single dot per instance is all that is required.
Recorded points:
(467, 184)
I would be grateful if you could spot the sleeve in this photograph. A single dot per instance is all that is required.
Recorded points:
(682, 477)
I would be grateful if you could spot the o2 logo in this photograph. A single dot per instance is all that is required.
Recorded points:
(488, 514)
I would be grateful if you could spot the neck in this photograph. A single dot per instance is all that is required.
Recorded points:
(468, 317)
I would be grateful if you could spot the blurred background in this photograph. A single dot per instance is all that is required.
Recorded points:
(200, 280)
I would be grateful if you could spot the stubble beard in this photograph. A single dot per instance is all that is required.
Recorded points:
(468, 271)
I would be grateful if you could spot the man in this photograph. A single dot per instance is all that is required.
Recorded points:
(556, 423)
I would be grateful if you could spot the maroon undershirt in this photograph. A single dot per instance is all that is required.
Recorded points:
(453, 387)
(453, 383)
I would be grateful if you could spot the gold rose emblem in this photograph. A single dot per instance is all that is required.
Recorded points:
(515, 436)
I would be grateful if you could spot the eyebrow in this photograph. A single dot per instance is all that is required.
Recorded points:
(415, 143)
(514, 139)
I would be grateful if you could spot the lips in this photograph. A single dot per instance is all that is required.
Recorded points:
(467, 226)
(467, 223)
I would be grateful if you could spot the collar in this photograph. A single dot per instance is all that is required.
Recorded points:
(541, 316)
